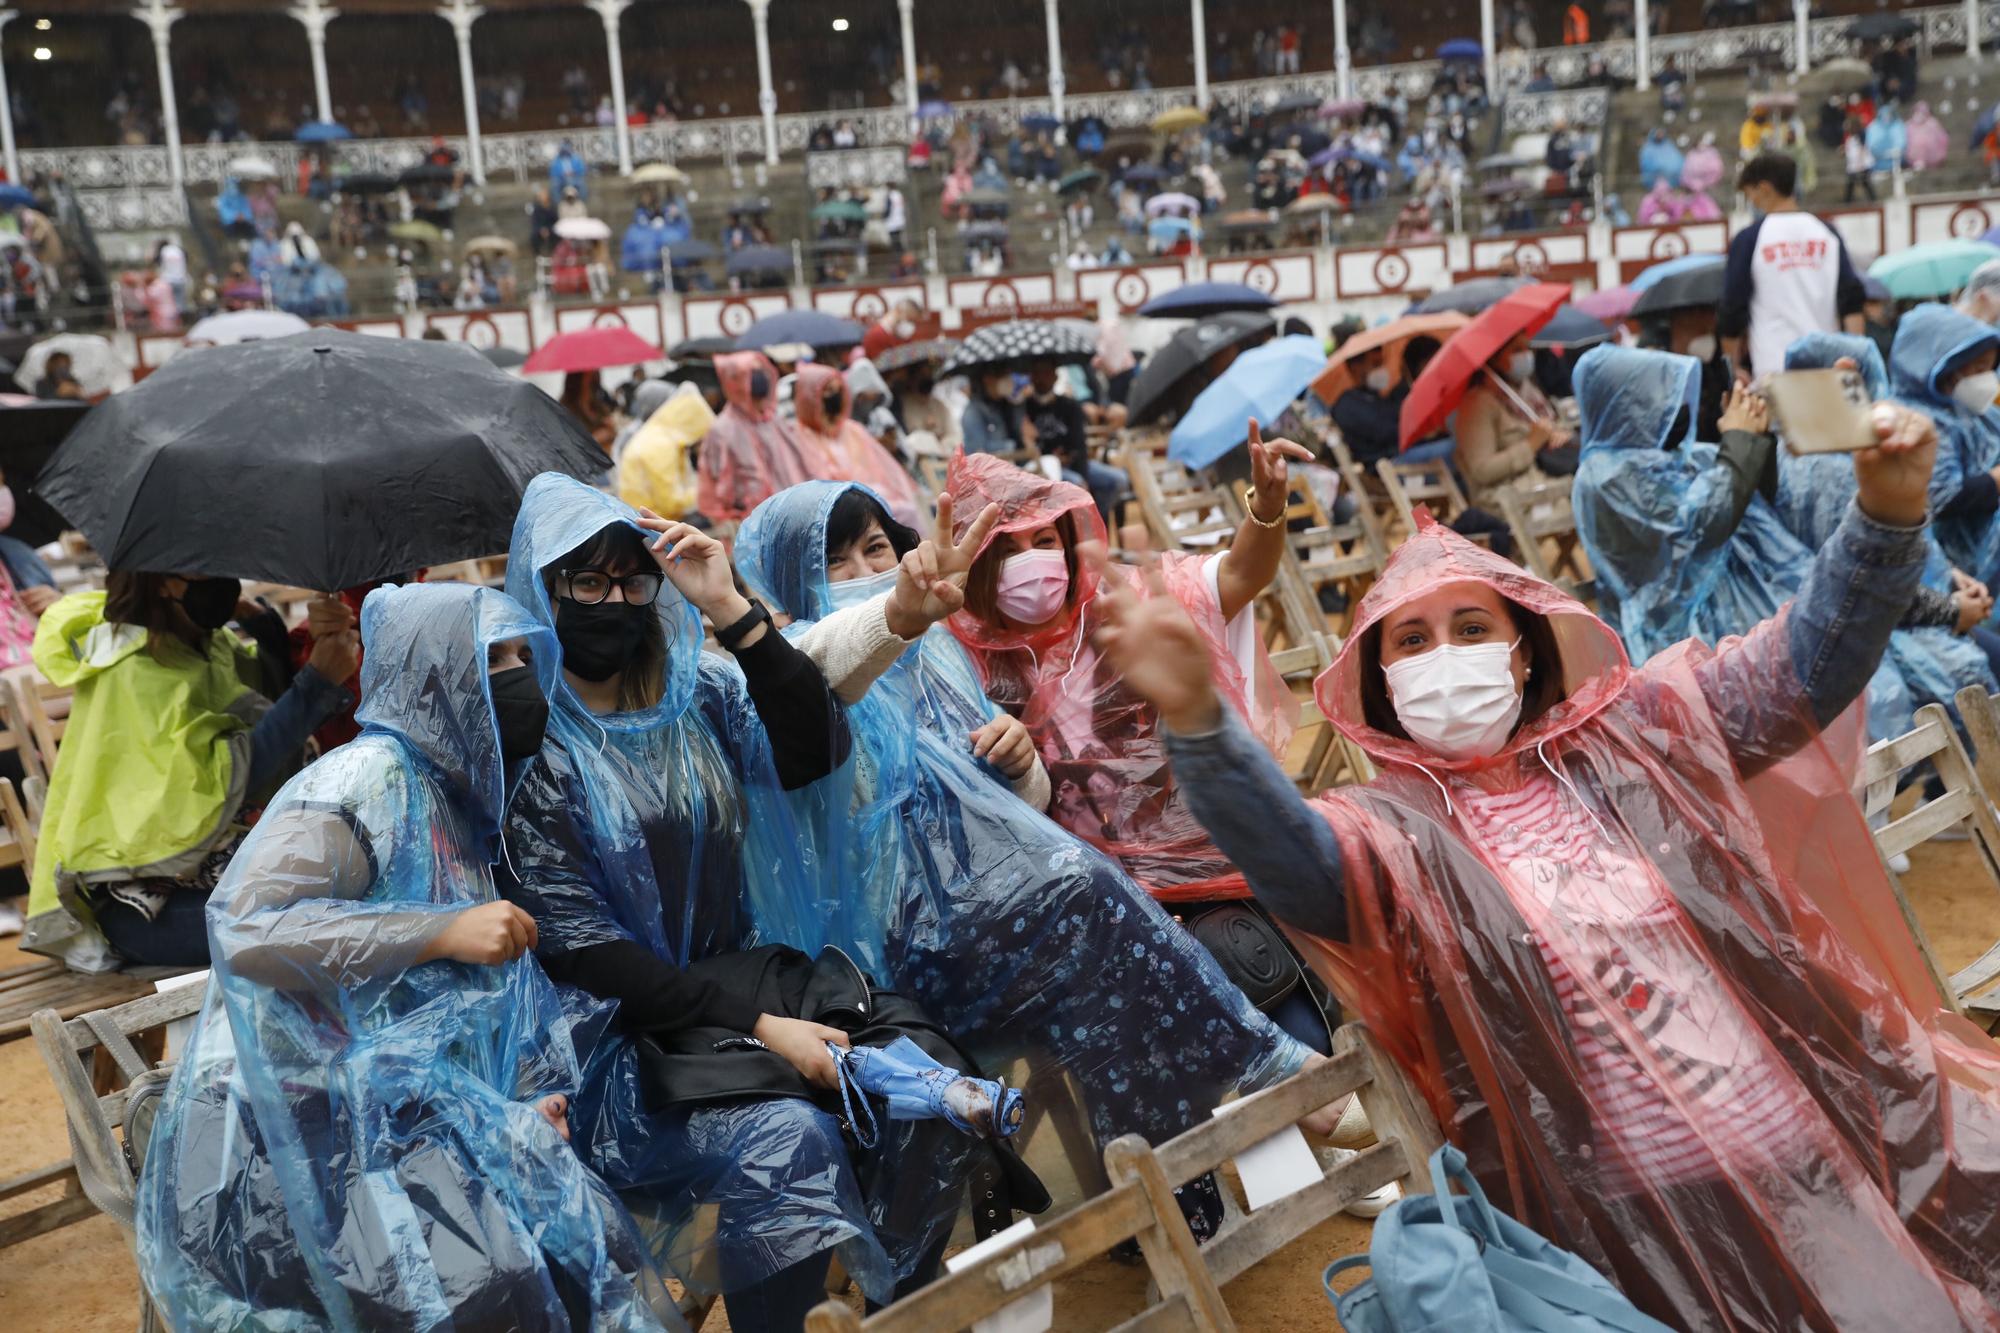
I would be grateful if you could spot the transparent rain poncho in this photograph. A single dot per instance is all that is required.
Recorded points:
(1679, 1026)
(750, 451)
(1814, 491)
(1931, 340)
(1653, 512)
(651, 826)
(1011, 932)
(351, 1139)
(1102, 744)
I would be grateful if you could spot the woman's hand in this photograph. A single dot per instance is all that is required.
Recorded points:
(1745, 409)
(1007, 744)
(930, 582)
(555, 1109)
(336, 656)
(803, 1045)
(328, 615)
(39, 597)
(1270, 472)
(696, 564)
(1895, 475)
(1156, 649)
(1973, 609)
(495, 932)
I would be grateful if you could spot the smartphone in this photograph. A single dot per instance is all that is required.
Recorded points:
(1822, 411)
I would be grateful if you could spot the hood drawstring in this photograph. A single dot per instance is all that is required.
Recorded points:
(1442, 789)
(1563, 779)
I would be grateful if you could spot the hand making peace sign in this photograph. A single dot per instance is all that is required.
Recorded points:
(930, 583)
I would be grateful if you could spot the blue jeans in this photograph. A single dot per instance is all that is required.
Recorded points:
(177, 936)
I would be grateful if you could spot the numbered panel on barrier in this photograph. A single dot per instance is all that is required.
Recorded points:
(1953, 219)
(1862, 230)
(154, 350)
(1283, 277)
(1554, 256)
(381, 327)
(1639, 248)
(1132, 286)
(487, 328)
(866, 304)
(730, 316)
(642, 317)
(1013, 289)
(1394, 270)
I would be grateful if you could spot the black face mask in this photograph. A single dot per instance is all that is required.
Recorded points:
(520, 710)
(830, 403)
(760, 384)
(600, 641)
(211, 603)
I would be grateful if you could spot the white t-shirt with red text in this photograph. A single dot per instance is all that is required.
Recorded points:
(1788, 268)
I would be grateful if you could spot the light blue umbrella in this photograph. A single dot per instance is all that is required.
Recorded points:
(1169, 230)
(1261, 383)
(322, 131)
(1666, 268)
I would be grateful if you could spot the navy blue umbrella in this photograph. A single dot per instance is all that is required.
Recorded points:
(322, 131)
(1461, 48)
(1040, 122)
(692, 251)
(1570, 329)
(1200, 299)
(1141, 172)
(760, 259)
(814, 328)
(13, 196)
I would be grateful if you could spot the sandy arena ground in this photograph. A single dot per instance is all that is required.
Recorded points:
(82, 1280)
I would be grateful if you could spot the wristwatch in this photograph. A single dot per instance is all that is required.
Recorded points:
(758, 614)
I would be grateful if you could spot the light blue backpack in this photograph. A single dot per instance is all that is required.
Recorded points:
(1444, 1263)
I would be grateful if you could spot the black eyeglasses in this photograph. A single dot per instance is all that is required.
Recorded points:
(588, 587)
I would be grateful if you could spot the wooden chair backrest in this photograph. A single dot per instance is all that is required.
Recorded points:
(1964, 804)
(1429, 483)
(17, 831)
(1319, 756)
(44, 709)
(1542, 517)
(1181, 513)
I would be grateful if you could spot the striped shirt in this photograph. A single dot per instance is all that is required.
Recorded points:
(1610, 933)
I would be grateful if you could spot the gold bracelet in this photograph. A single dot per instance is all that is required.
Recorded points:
(1250, 504)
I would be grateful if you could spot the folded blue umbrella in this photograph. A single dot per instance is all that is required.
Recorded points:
(13, 196)
(1666, 268)
(1261, 383)
(917, 1087)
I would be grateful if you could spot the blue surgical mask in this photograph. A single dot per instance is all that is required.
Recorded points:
(856, 591)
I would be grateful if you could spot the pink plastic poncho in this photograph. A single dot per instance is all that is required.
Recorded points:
(1928, 143)
(750, 452)
(840, 449)
(1101, 743)
(1673, 1015)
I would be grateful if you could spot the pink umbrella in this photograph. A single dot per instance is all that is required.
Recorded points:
(592, 349)
(1609, 306)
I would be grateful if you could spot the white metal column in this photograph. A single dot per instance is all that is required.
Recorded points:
(161, 20)
(1492, 55)
(461, 16)
(767, 96)
(1972, 32)
(1056, 81)
(1642, 43)
(314, 16)
(1802, 35)
(906, 11)
(1343, 58)
(1198, 19)
(611, 11)
(8, 157)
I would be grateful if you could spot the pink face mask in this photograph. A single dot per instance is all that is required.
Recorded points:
(1032, 586)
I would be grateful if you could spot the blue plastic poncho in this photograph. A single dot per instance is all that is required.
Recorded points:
(1010, 931)
(1659, 160)
(649, 826)
(1814, 490)
(349, 1141)
(1930, 341)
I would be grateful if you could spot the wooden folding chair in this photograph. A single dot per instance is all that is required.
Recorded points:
(1431, 483)
(1180, 512)
(1322, 553)
(101, 1177)
(44, 709)
(1964, 804)
(1319, 756)
(1541, 517)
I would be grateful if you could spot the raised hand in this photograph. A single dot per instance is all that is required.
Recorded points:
(1270, 471)
(1153, 645)
(930, 582)
(1895, 475)
(696, 564)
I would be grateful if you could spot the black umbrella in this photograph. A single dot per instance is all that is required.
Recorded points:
(29, 435)
(1173, 373)
(701, 349)
(1292, 103)
(1876, 27)
(428, 173)
(751, 206)
(999, 345)
(980, 232)
(323, 460)
(1311, 139)
(1569, 330)
(759, 259)
(814, 328)
(910, 354)
(1143, 172)
(1690, 289)
(1468, 298)
(505, 358)
(366, 182)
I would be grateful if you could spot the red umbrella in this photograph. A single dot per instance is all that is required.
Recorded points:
(1441, 388)
(592, 349)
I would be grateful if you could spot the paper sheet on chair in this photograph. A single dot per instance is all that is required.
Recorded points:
(1034, 1312)
(181, 1029)
(1280, 1165)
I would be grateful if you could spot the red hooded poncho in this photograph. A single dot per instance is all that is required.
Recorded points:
(1673, 1014)
(750, 453)
(1101, 743)
(839, 449)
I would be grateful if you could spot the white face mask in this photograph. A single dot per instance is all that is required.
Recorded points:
(1521, 366)
(1975, 393)
(864, 589)
(1378, 380)
(1032, 586)
(1457, 700)
(1702, 349)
